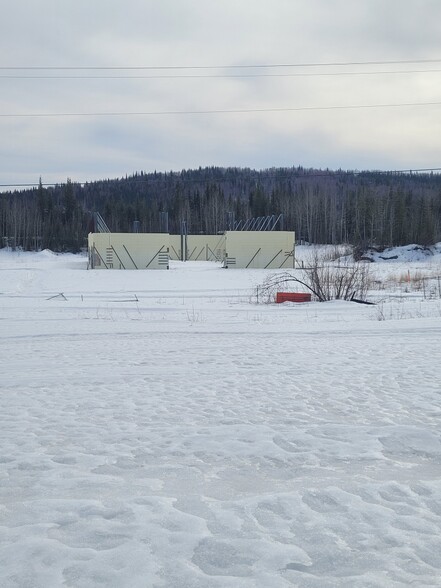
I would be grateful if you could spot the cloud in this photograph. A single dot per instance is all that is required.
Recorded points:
(76, 33)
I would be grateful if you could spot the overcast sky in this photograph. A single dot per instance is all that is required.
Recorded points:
(202, 34)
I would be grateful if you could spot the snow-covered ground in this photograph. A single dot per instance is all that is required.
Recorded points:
(160, 429)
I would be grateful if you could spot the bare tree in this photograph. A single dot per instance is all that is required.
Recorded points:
(343, 279)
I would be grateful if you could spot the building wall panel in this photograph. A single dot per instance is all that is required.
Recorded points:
(259, 249)
(128, 250)
(199, 247)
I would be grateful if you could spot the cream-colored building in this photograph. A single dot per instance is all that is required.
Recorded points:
(235, 249)
(259, 249)
(199, 247)
(128, 250)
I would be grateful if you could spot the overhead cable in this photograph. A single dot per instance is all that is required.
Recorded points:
(218, 111)
(217, 76)
(205, 67)
(283, 174)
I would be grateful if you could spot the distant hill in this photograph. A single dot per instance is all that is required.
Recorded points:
(321, 206)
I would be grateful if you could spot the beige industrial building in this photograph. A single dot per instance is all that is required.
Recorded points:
(128, 250)
(259, 249)
(198, 247)
(235, 249)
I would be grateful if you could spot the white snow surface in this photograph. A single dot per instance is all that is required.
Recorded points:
(161, 429)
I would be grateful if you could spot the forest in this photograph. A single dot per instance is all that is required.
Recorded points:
(361, 208)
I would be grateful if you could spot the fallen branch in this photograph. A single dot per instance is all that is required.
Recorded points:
(60, 295)
(362, 301)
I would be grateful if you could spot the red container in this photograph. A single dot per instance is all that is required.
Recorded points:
(292, 297)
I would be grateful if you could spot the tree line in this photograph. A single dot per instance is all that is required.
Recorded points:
(321, 206)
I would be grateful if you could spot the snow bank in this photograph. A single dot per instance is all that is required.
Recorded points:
(162, 429)
(406, 254)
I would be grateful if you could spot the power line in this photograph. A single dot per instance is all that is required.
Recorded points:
(220, 76)
(206, 67)
(283, 175)
(218, 111)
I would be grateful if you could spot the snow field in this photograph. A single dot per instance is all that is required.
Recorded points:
(161, 429)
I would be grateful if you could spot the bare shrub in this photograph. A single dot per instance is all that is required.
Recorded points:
(325, 281)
